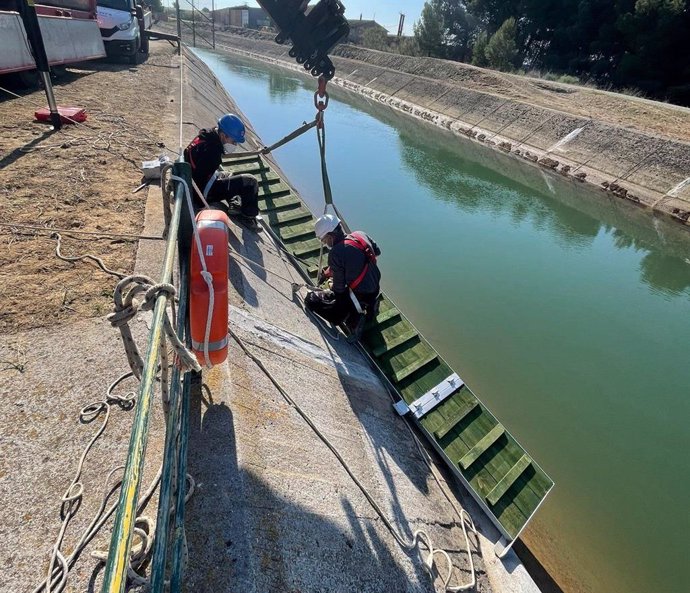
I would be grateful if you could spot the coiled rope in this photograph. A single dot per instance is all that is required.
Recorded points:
(59, 565)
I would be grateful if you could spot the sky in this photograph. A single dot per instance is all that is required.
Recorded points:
(385, 12)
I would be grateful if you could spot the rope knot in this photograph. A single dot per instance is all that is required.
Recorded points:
(152, 294)
(122, 316)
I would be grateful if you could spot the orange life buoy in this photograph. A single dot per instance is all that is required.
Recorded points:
(213, 232)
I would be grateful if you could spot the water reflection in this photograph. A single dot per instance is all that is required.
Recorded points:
(564, 209)
(280, 86)
(476, 179)
(474, 187)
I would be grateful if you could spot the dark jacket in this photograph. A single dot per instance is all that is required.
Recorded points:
(346, 262)
(204, 154)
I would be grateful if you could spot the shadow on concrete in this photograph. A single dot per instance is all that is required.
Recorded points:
(238, 268)
(245, 536)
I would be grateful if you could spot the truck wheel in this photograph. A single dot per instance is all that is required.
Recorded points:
(134, 58)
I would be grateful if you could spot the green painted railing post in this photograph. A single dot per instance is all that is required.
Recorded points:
(173, 429)
(115, 577)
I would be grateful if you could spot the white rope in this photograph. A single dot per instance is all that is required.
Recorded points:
(126, 309)
(419, 536)
(208, 278)
(59, 566)
(71, 259)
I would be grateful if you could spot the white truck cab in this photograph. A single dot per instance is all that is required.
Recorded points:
(122, 24)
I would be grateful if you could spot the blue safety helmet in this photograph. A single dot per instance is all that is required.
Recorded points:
(232, 126)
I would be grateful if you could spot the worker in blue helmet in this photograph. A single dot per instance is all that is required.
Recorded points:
(205, 154)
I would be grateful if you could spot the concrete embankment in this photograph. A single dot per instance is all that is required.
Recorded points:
(273, 509)
(631, 148)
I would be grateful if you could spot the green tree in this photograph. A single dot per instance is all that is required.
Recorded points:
(445, 29)
(479, 49)
(501, 50)
(428, 31)
(154, 5)
(408, 46)
(375, 38)
(493, 13)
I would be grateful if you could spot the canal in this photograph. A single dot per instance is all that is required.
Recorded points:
(567, 312)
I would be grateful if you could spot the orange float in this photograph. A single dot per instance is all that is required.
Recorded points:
(213, 232)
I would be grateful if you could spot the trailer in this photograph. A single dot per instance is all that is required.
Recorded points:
(69, 29)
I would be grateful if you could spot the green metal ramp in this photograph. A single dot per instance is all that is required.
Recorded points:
(506, 482)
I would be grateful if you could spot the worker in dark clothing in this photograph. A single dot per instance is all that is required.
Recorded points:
(205, 153)
(353, 273)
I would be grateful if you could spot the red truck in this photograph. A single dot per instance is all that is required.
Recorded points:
(69, 29)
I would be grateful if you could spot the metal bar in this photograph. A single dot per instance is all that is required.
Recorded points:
(193, 24)
(266, 149)
(201, 12)
(27, 11)
(160, 550)
(186, 24)
(179, 535)
(432, 398)
(115, 577)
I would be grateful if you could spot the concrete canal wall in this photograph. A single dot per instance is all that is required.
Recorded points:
(606, 150)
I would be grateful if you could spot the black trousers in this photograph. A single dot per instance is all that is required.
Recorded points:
(338, 308)
(227, 186)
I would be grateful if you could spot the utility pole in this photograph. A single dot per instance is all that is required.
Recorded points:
(213, 23)
(27, 11)
(400, 26)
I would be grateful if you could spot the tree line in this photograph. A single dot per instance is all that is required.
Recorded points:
(618, 44)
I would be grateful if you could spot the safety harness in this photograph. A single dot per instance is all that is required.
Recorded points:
(361, 242)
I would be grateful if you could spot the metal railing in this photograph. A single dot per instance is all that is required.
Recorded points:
(173, 472)
(192, 26)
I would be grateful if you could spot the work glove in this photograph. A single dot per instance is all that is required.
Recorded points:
(324, 275)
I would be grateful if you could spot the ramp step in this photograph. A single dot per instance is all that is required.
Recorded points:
(481, 447)
(415, 366)
(508, 480)
(289, 216)
(386, 315)
(313, 246)
(298, 232)
(394, 342)
(275, 202)
(457, 419)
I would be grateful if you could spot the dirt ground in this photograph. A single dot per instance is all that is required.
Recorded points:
(78, 178)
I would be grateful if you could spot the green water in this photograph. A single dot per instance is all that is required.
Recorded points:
(567, 312)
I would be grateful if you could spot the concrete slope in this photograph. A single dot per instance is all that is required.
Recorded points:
(274, 509)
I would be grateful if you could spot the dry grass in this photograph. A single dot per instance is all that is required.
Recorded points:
(77, 178)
